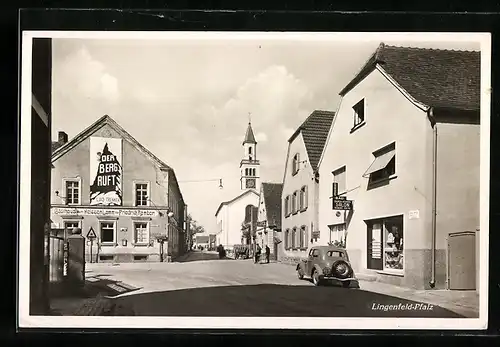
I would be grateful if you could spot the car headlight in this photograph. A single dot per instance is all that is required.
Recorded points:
(327, 271)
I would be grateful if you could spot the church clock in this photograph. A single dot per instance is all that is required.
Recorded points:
(250, 183)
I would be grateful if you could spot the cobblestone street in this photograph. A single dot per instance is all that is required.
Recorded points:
(203, 285)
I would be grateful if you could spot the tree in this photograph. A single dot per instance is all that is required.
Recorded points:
(195, 228)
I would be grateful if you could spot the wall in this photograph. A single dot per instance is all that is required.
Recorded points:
(232, 215)
(136, 166)
(457, 185)
(389, 117)
(292, 183)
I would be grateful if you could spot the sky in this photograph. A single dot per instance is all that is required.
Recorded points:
(188, 102)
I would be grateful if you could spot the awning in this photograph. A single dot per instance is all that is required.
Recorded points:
(380, 162)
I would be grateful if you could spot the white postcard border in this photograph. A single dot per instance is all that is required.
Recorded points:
(27, 321)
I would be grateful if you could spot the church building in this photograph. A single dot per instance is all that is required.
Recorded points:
(231, 214)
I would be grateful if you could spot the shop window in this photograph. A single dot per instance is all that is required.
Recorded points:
(72, 187)
(385, 246)
(141, 233)
(140, 257)
(107, 232)
(141, 194)
(69, 226)
(337, 235)
(339, 177)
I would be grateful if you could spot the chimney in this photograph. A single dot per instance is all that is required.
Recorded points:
(62, 137)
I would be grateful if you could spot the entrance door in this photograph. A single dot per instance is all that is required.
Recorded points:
(374, 246)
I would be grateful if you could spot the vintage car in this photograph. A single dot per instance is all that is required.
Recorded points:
(327, 264)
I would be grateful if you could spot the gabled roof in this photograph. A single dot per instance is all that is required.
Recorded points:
(438, 78)
(272, 203)
(107, 120)
(249, 137)
(235, 199)
(315, 132)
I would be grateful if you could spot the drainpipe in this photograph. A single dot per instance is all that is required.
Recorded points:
(432, 282)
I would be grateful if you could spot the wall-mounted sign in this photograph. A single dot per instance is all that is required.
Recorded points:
(103, 212)
(106, 171)
(414, 214)
(341, 204)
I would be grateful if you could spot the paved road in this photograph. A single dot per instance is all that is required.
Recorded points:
(203, 285)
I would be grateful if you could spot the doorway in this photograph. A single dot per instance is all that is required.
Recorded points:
(374, 246)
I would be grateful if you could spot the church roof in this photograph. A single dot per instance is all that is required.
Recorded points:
(249, 137)
(236, 198)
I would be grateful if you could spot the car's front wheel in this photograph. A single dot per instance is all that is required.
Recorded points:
(315, 278)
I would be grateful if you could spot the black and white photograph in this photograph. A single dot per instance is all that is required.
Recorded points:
(207, 179)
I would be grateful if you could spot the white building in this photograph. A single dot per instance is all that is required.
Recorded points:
(299, 215)
(231, 214)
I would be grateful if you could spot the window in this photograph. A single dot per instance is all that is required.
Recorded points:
(141, 194)
(303, 237)
(249, 150)
(359, 112)
(141, 233)
(108, 232)
(294, 238)
(69, 226)
(335, 254)
(383, 165)
(295, 163)
(339, 178)
(303, 198)
(337, 234)
(385, 251)
(286, 240)
(294, 203)
(287, 206)
(315, 252)
(72, 187)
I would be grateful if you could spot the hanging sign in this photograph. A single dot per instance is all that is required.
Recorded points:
(106, 171)
(341, 204)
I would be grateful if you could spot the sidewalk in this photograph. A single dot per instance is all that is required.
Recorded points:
(90, 300)
(465, 303)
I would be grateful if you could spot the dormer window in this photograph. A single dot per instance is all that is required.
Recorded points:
(359, 113)
(295, 164)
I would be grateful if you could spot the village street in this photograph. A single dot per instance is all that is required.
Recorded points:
(203, 285)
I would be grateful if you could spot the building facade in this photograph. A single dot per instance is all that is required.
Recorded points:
(109, 186)
(269, 217)
(299, 212)
(231, 215)
(403, 154)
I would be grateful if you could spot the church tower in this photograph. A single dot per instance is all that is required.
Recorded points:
(249, 165)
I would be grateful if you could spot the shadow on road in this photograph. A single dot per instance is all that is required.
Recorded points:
(199, 256)
(268, 300)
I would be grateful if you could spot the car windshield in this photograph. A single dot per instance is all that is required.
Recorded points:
(336, 254)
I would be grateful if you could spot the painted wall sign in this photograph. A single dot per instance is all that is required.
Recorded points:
(106, 171)
(115, 212)
(414, 214)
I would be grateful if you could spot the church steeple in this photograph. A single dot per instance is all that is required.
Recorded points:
(249, 165)
(249, 137)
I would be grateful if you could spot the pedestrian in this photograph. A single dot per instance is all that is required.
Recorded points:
(268, 252)
(257, 254)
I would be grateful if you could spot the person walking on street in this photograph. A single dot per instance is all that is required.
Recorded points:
(268, 252)
(257, 254)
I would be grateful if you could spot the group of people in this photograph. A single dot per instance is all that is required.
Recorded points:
(258, 253)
